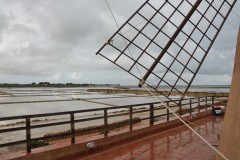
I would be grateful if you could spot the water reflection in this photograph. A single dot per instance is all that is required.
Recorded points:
(180, 143)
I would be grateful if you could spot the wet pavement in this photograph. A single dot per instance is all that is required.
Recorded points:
(175, 144)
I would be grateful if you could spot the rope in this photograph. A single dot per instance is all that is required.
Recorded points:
(225, 43)
(238, 15)
(227, 19)
(128, 30)
(185, 123)
(115, 20)
(165, 105)
(121, 33)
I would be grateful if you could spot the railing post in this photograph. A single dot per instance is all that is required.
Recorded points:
(105, 123)
(190, 103)
(130, 117)
(151, 114)
(180, 108)
(212, 100)
(28, 134)
(72, 128)
(168, 112)
(199, 105)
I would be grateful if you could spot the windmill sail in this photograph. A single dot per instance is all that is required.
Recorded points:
(164, 43)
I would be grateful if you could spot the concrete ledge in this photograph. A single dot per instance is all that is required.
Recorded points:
(68, 151)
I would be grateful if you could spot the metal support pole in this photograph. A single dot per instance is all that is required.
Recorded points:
(190, 103)
(28, 134)
(180, 109)
(199, 105)
(105, 123)
(151, 114)
(212, 100)
(72, 128)
(168, 112)
(130, 118)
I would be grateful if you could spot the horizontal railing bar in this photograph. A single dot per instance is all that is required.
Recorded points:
(80, 120)
(62, 135)
(12, 129)
(69, 112)
(12, 143)
(66, 122)
(202, 99)
(90, 110)
(49, 114)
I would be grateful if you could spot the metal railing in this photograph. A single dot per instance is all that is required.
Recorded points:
(201, 104)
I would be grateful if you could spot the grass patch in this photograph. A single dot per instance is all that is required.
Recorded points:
(91, 129)
(37, 144)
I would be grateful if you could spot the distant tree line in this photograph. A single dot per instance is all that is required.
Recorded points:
(48, 84)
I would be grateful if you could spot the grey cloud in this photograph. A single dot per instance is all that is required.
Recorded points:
(21, 29)
(56, 41)
(3, 24)
(218, 63)
(4, 21)
(69, 22)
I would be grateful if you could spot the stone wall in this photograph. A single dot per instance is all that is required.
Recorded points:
(230, 134)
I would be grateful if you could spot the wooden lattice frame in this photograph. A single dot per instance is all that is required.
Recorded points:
(164, 43)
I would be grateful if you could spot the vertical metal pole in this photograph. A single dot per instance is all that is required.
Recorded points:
(190, 103)
(72, 128)
(28, 134)
(180, 108)
(151, 114)
(105, 123)
(199, 105)
(168, 112)
(130, 117)
(212, 100)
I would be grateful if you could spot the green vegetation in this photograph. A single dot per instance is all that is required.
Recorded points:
(92, 129)
(36, 144)
(48, 84)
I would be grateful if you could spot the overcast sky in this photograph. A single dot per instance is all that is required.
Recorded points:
(56, 41)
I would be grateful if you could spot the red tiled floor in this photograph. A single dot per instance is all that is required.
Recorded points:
(176, 144)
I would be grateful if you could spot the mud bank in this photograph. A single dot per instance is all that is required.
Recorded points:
(143, 92)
